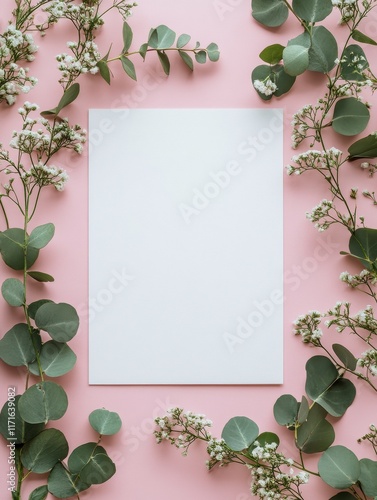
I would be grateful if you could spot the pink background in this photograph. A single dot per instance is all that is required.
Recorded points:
(145, 470)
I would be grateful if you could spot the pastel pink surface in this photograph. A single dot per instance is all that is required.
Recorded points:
(145, 470)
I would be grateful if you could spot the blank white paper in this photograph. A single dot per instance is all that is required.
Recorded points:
(185, 246)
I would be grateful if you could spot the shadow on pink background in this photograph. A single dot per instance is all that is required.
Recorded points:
(144, 470)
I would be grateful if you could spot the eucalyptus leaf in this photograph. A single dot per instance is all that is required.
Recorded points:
(183, 40)
(350, 116)
(68, 97)
(239, 433)
(56, 359)
(277, 75)
(99, 469)
(272, 54)
(285, 410)
(129, 67)
(34, 306)
(59, 320)
(41, 235)
(164, 60)
(127, 37)
(62, 484)
(363, 245)
(201, 56)
(361, 37)
(39, 493)
(143, 50)
(13, 292)
(104, 71)
(81, 455)
(267, 438)
(42, 453)
(161, 38)
(296, 59)
(364, 148)
(316, 434)
(325, 387)
(339, 467)
(345, 356)
(303, 411)
(368, 476)
(187, 59)
(271, 13)
(213, 52)
(21, 432)
(40, 277)
(312, 11)
(323, 50)
(105, 422)
(16, 347)
(353, 63)
(43, 402)
(12, 243)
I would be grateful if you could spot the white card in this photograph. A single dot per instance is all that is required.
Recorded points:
(186, 246)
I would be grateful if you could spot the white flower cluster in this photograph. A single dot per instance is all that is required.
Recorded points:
(85, 60)
(365, 277)
(300, 125)
(274, 478)
(44, 175)
(368, 360)
(313, 159)
(308, 327)
(266, 87)
(219, 452)
(320, 215)
(188, 425)
(15, 46)
(371, 167)
(347, 8)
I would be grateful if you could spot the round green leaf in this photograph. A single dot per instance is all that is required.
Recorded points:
(16, 347)
(268, 438)
(303, 411)
(368, 476)
(56, 359)
(339, 467)
(34, 306)
(201, 56)
(105, 422)
(261, 73)
(81, 455)
(283, 81)
(363, 245)
(99, 469)
(59, 320)
(316, 434)
(270, 13)
(350, 116)
(62, 484)
(43, 402)
(13, 292)
(296, 59)
(183, 40)
(345, 356)
(39, 493)
(272, 54)
(312, 11)
(20, 431)
(161, 38)
(353, 63)
(12, 249)
(285, 410)
(213, 52)
(323, 50)
(41, 235)
(186, 59)
(364, 148)
(239, 433)
(325, 387)
(44, 451)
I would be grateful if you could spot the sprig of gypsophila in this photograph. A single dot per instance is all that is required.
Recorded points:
(272, 473)
(36, 144)
(363, 325)
(371, 437)
(86, 18)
